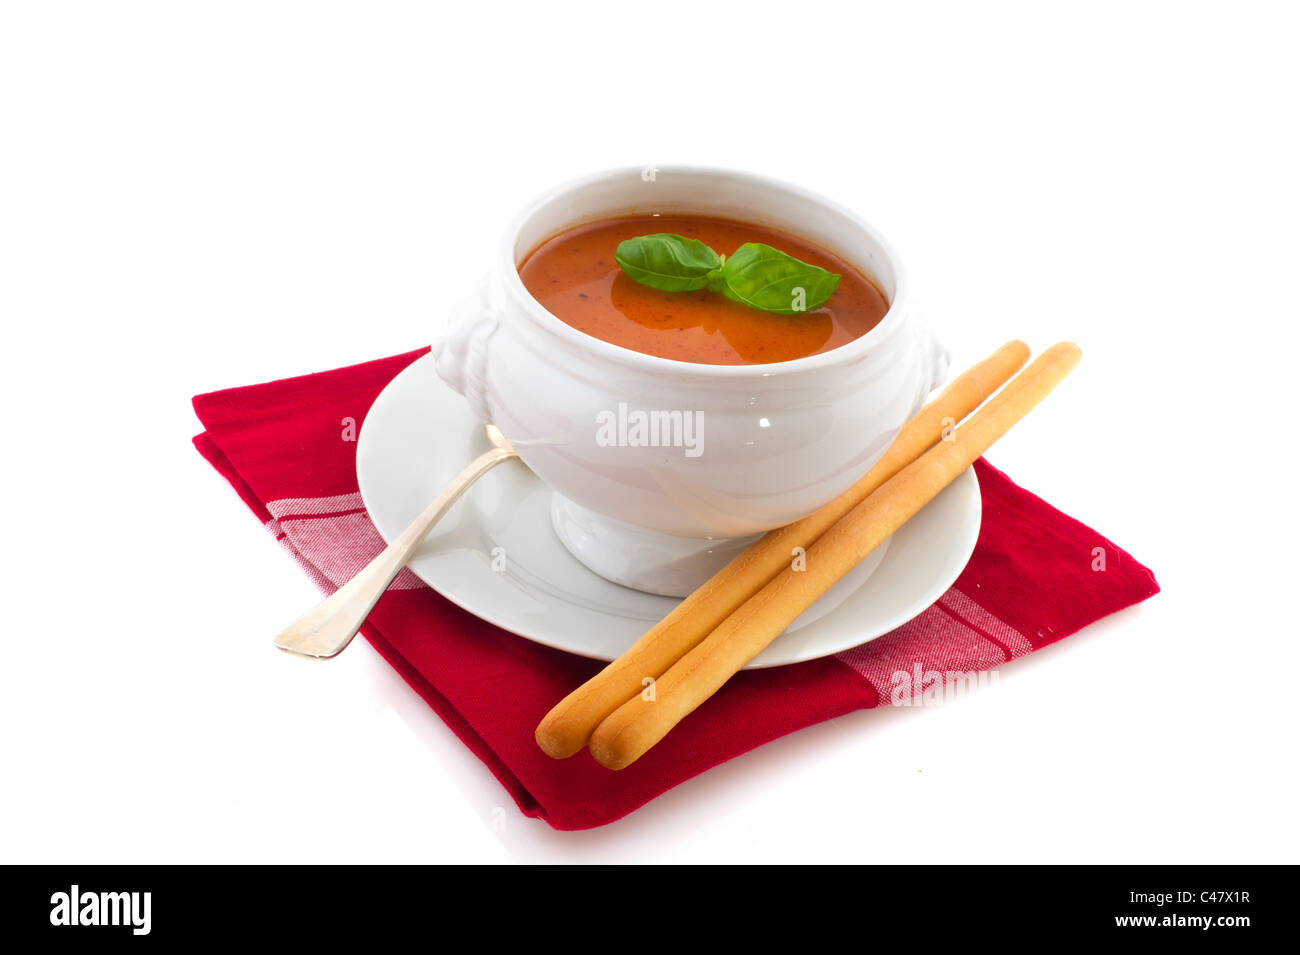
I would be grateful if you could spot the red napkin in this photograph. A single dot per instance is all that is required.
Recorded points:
(1036, 576)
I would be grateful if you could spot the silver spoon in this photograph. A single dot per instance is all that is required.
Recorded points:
(327, 628)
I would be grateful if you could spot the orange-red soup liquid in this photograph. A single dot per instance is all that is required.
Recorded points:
(574, 276)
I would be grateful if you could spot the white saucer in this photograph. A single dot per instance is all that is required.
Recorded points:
(419, 434)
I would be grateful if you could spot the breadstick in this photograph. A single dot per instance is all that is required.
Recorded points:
(638, 724)
(566, 728)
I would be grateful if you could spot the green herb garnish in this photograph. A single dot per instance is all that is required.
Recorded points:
(756, 275)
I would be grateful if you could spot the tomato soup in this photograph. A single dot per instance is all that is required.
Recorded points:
(574, 276)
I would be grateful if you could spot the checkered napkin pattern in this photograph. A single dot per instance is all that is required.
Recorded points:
(1035, 577)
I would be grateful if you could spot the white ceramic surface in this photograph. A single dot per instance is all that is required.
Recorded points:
(779, 440)
(419, 434)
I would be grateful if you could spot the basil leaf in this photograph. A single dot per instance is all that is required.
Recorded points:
(757, 275)
(765, 278)
(668, 262)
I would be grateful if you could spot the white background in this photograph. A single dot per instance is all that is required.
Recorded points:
(195, 196)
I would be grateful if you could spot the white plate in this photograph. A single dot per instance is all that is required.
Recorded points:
(419, 434)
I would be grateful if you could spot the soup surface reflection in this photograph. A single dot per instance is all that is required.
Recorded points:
(574, 276)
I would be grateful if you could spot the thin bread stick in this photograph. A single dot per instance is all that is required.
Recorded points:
(640, 723)
(567, 727)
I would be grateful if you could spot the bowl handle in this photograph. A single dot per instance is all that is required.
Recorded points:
(935, 358)
(460, 352)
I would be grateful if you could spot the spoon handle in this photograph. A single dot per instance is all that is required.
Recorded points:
(328, 627)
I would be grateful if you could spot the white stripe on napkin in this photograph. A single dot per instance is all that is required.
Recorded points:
(954, 637)
(335, 547)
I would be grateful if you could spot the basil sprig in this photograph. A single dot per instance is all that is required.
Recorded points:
(756, 275)
(670, 263)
